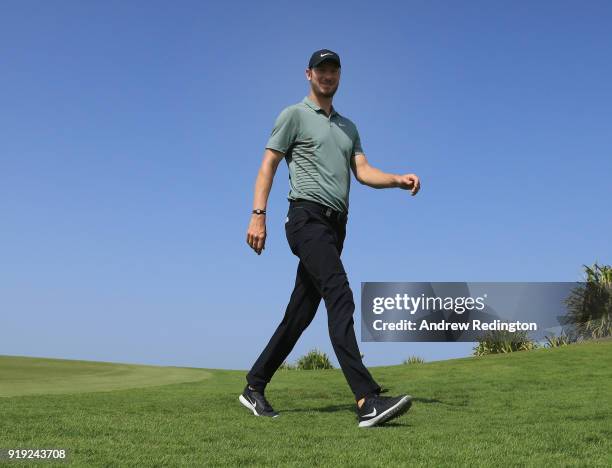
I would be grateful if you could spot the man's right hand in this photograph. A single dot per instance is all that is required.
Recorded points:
(256, 234)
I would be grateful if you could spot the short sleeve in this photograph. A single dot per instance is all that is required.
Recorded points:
(357, 149)
(284, 132)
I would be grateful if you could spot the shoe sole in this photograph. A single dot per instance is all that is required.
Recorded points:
(396, 410)
(246, 403)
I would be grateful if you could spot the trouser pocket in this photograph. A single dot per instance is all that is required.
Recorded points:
(297, 217)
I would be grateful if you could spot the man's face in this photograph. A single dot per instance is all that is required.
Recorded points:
(324, 78)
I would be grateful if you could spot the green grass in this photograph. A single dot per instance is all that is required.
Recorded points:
(35, 376)
(543, 407)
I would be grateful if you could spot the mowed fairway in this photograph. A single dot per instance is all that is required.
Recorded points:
(35, 376)
(543, 407)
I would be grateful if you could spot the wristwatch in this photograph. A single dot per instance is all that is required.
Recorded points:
(258, 211)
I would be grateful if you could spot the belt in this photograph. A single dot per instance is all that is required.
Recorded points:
(319, 208)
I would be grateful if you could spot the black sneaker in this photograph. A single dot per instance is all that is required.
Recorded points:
(377, 409)
(257, 403)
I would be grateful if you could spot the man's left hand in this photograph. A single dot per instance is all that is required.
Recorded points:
(409, 182)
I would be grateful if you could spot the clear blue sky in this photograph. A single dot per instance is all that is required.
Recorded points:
(132, 132)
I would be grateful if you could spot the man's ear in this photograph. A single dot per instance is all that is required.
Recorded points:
(308, 74)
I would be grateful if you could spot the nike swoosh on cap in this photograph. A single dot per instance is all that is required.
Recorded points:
(327, 53)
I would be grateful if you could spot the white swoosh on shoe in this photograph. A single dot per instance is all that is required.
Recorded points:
(253, 403)
(371, 415)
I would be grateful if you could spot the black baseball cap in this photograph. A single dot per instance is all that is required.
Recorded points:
(322, 55)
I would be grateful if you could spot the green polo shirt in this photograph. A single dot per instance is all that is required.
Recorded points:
(318, 150)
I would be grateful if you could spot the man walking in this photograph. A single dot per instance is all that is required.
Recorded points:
(321, 147)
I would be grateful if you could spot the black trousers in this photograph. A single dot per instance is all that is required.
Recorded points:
(316, 235)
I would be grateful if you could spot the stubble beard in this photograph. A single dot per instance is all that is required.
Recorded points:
(317, 90)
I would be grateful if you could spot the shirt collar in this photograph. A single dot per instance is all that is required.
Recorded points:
(316, 108)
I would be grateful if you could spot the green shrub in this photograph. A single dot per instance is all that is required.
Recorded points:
(286, 366)
(503, 341)
(557, 341)
(414, 360)
(590, 304)
(315, 359)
